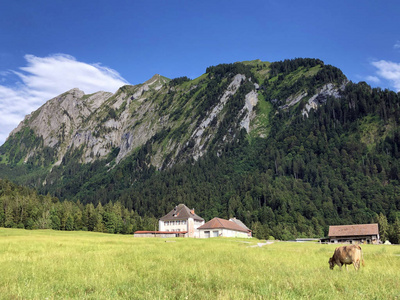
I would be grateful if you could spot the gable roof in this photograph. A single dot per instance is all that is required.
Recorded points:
(240, 223)
(181, 212)
(159, 232)
(218, 223)
(353, 230)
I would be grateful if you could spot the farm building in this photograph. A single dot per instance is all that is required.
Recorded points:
(364, 233)
(181, 220)
(240, 223)
(221, 227)
(161, 234)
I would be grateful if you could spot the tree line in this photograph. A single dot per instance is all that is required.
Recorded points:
(22, 207)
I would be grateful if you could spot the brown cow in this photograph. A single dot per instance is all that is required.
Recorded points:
(346, 255)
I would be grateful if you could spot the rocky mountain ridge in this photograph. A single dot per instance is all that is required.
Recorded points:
(172, 120)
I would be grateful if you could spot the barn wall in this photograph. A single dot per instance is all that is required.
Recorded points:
(234, 233)
(355, 239)
(223, 233)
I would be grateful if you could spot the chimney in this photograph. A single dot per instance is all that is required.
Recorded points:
(192, 211)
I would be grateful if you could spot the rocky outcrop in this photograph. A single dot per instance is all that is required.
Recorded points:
(328, 90)
(60, 118)
(199, 135)
(251, 101)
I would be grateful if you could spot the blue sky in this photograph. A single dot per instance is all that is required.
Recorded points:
(49, 47)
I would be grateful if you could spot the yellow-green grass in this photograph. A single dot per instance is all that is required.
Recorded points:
(47, 264)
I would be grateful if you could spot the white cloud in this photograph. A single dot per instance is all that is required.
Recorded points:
(390, 71)
(373, 79)
(397, 45)
(46, 77)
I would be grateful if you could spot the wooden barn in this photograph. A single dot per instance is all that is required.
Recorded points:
(363, 233)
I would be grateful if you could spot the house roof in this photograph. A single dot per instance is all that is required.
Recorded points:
(218, 223)
(158, 232)
(353, 230)
(181, 212)
(240, 223)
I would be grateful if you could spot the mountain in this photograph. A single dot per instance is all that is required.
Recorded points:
(289, 147)
(184, 117)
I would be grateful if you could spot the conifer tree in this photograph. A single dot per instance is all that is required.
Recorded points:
(383, 227)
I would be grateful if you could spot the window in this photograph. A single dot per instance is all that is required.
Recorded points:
(172, 223)
(166, 223)
(178, 222)
(183, 222)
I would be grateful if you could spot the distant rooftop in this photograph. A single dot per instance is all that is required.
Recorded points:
(181, 212)
(240, 223)
(353, 230)
(218, 223)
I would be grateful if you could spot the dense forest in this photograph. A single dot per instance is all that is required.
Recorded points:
(337, 164)
(22, 207)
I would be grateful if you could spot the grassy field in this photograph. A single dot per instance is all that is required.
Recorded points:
(45, 264)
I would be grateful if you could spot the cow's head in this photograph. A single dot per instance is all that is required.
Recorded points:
(331, 263)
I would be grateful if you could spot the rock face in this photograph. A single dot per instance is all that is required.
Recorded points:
(200, 135)
(59, 120)
(251, 101)
(322, 95)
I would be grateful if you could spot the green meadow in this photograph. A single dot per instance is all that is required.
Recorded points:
(46, 264)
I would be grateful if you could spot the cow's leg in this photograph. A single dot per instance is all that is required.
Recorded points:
(346, 268)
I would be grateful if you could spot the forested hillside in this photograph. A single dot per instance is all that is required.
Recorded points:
(316, 150)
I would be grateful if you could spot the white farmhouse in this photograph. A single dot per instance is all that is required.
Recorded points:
(181, 220)
(226, 228)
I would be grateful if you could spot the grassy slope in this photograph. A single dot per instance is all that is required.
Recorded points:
(81, 265)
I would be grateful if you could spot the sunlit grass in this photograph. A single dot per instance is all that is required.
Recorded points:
(83, 265)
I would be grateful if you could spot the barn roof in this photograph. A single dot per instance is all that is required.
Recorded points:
(159, 232)
(240, 223)
(218, 223)
(181, 212)
(353, 230)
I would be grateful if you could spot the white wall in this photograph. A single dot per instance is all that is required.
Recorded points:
(176, 225)
(234, 233)
(211, 233)
(223, 232)
(189, 225)
(161, 225)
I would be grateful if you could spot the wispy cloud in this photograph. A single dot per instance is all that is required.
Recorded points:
(373, 79)
(397, 45)
(46, 77)
(389, 71)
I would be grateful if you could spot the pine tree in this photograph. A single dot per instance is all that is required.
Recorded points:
(395, 232)
(383, 227)
(2, 215)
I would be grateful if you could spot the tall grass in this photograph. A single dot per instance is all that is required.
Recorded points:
(83, 265)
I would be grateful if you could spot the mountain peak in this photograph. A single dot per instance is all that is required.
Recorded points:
(156, 82)
(156, 78)
(75, 91)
